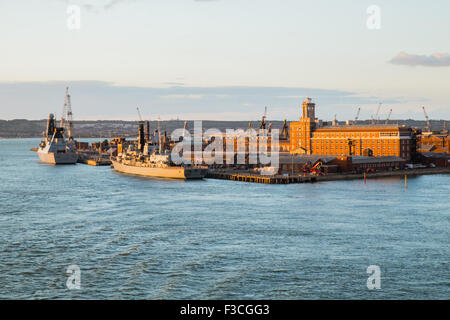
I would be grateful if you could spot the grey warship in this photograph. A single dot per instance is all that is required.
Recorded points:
(55, 149)
(149, 160)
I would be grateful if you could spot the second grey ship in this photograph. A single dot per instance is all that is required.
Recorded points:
(150, 161)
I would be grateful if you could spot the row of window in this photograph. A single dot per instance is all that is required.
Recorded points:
(376, 154)
(389, 134)
(346, 148)
(381, 141)
(298, 133)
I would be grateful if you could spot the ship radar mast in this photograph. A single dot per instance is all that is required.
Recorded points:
(159, 135)
(67, 119)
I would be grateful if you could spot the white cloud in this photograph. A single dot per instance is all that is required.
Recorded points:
(434, 60)
(182, 96)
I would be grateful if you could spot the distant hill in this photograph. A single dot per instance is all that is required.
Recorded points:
(22, 128)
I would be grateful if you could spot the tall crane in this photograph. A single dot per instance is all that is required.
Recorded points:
(389, 115)
(444, 128)
(376, 119)
(316, 168)
(428, 119)
(139, 114)
(67, 119)
(184, 129)
(357, 115)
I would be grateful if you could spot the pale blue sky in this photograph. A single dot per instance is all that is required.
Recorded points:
(210, 47)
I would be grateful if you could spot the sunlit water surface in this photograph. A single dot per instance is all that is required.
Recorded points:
(136, 238)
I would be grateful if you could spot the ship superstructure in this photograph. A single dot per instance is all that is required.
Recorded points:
(55, 149)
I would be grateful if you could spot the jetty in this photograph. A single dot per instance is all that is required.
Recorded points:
(288, 179)
(95, 162)
(258, 178)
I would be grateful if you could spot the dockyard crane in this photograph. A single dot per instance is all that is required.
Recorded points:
(376, 119)
(306, 166)
(316, 169)
(389, 115)
(139, 114)
(428, 119)
(67, 119)
(184, 129)
(357, 115)
(444, 128)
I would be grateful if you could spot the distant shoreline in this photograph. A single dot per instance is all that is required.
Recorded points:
(86, 129)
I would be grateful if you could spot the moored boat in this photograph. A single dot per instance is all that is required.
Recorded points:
(172, 172)
(55, 149)
(149, 160)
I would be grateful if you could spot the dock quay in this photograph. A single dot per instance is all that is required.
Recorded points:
(93, 159)
(288, 179)
(258, 178)
(95, 162)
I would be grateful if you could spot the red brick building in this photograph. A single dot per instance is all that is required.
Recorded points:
(313, 137)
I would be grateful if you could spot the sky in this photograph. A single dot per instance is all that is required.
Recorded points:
(224, 59)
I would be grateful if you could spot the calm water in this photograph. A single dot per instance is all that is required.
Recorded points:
(137, 238)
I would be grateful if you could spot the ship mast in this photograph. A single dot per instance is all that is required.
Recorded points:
(159, 135)
(67, 119)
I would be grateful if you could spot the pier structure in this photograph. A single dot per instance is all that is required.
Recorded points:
(288, 179)
(258, 178)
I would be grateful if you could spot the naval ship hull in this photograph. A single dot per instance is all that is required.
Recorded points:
(169, 172)
(58, 158)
